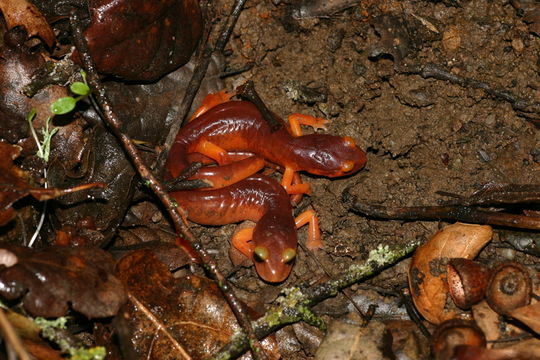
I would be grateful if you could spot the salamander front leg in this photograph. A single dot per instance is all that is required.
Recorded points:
(314, 232)
(288, 183)
(295, 120)
(241, 240)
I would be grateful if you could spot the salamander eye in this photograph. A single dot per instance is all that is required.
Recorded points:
(288, 255)
(349, 141)
(260, 253)
(347, 166)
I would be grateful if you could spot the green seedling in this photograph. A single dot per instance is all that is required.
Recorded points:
(61, 106)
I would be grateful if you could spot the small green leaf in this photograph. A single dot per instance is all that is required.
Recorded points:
(63, 105)
(80, 88)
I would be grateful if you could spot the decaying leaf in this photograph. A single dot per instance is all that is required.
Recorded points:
(427, 276)
(142, 40)
(13, 184)
(24, 13)
(52, 279)
(168, 318)
(347, 341)
(487, 320)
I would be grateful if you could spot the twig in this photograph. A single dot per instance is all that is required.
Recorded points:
(11, 337)
(496, 194)
(198, 75)
(295, 305)
(459, 213)
(365, 318)
(248, 92)
(526, 109)
(413, 313)
(177, 214)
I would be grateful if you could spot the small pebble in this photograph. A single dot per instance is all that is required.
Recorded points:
(517, 45)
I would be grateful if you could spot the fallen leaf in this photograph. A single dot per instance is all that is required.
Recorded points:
(487, 320)
(348, 341)
(51, 279)
(168, 318)
(13, 184)
(142, 40)
(524, 350)
(427, 272)
(529, 315)
(24, 13)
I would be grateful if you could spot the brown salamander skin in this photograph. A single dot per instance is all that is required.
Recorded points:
(239, 126)
(258, 198)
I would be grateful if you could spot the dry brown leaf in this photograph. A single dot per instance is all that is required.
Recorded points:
(427, 273)
(24, 13)
(347, 341)
(529, 315)
(487, 320)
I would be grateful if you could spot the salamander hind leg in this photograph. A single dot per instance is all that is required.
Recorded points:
(210, 101)
(213, 151)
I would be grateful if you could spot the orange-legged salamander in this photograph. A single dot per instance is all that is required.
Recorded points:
(239, 126)
(258, 198)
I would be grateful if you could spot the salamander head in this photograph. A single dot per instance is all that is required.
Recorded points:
(328, 155)
(275, 250)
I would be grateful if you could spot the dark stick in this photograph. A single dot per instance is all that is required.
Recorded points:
(177, 214)
(497, 194)
(248, 92)
(459, 213)
(198, 75)
(413, 313)
(436, 72)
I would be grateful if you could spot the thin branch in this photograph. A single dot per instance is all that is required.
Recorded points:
(295, 305)
(177, 214)
(529, 110)
(247, 92)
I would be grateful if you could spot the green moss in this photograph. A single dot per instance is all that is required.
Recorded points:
(95, 353)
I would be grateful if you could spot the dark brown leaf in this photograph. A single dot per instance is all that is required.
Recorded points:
(168, 318)
(24, 13)
(142, 40)
(13, 185)
(50, 279)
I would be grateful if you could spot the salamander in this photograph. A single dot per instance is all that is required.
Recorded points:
(272, 243)
(239, 126)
